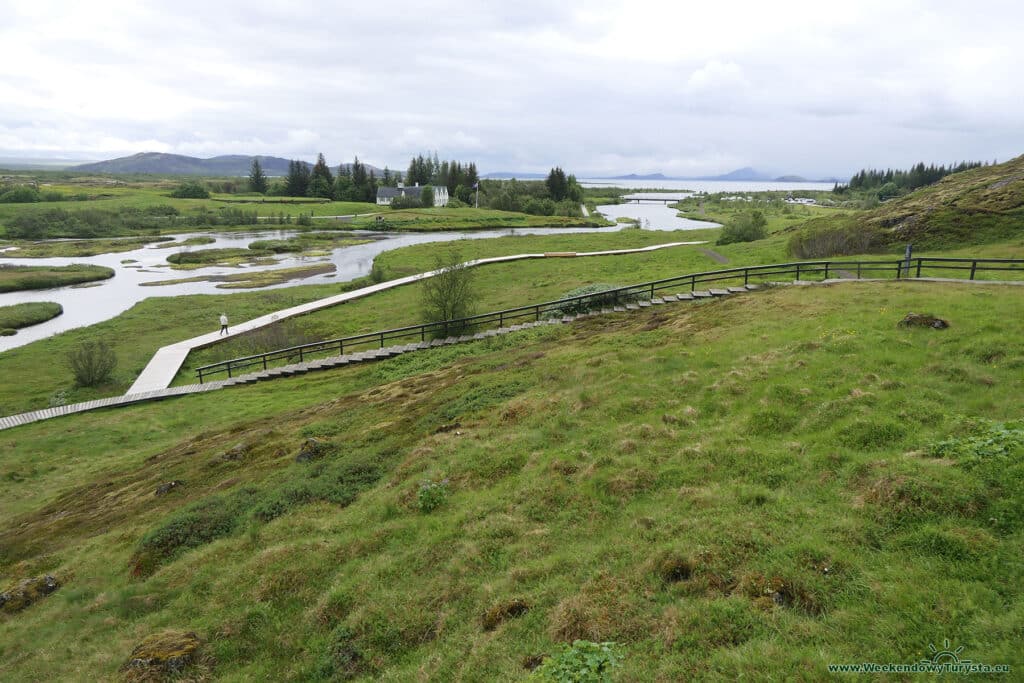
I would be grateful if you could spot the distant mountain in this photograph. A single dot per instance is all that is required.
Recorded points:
(177, 164)
(505, 175)
(634, 176)
(745, 173)
(790, 179)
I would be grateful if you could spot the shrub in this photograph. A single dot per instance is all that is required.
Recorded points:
(190, 190)
(583, 662)
(399, 203)
(747, 227)
(92, 363)
(596, 299)
(20, 195)
(191, 527)
(839, 238)
(431, 495)
(448, 295)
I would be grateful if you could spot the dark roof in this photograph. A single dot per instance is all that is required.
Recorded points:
(392, 192)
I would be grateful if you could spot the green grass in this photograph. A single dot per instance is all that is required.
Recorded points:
(203, 257)
(739, 488)
(72, 248)
(467, 219)
(24, 315)
(17, 278)
(250, 279)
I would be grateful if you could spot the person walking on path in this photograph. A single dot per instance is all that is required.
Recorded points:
(223, 324)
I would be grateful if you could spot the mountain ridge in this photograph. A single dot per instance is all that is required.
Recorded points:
(180, 164)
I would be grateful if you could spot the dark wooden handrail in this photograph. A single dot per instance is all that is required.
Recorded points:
(898, 268)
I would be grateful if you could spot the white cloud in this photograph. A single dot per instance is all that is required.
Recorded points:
(609, 86)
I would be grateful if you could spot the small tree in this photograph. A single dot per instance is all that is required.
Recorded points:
(427, 197)
(448, 295)
(92, 363)
(257, 180)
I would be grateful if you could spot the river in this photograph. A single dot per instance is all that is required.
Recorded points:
(108, 298)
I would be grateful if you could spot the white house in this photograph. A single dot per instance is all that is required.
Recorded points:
(386, 194)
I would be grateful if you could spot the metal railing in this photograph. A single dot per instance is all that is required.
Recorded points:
(803, 270)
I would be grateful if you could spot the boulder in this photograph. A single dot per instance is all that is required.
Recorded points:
(236, 452)
(26, 592)
(164, 489)
(162, 655)
(311, 450)
(923, 320)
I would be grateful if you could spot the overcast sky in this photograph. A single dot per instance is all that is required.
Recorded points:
(814, 88)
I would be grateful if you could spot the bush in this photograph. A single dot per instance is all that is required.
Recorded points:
(746, 227)
(195, 525)
(584, 662)
(190, 190)
(431, 495)
(20, 195)
(843, 236)
(597, 300)
(92, 363)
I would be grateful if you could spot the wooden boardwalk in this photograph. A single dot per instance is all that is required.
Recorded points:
(343, 360)
(165, 363)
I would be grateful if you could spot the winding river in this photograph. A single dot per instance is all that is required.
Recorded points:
(87, 305)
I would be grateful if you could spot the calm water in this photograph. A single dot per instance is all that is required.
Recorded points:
(109, 298)
(711, 186)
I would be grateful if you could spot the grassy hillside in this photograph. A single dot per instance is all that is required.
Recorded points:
(971, 207)
(739, 488)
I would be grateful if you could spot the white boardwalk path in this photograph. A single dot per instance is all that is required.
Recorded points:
(166, 362)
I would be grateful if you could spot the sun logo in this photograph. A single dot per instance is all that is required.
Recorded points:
(945, 655)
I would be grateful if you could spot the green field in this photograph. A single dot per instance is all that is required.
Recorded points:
(742, 488)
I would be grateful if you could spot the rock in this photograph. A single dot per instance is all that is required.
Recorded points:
(164, 489)
(311, 450)
(26, 592)
(236, 452)
(923, 320)
(499, 613)
(162, 655)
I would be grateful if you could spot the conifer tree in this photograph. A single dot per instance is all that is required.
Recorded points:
(257, 180)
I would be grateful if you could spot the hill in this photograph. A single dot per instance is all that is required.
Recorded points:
(745, 488)
(978, 206)
(159, 163)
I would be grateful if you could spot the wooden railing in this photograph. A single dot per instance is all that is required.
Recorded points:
(804, 270)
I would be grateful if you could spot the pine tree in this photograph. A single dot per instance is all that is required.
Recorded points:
(257, 180)
(322, 170)
(297, 182)
(557, 184)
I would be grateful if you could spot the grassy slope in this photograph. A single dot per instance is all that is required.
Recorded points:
(763, 439)
(973, 207)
